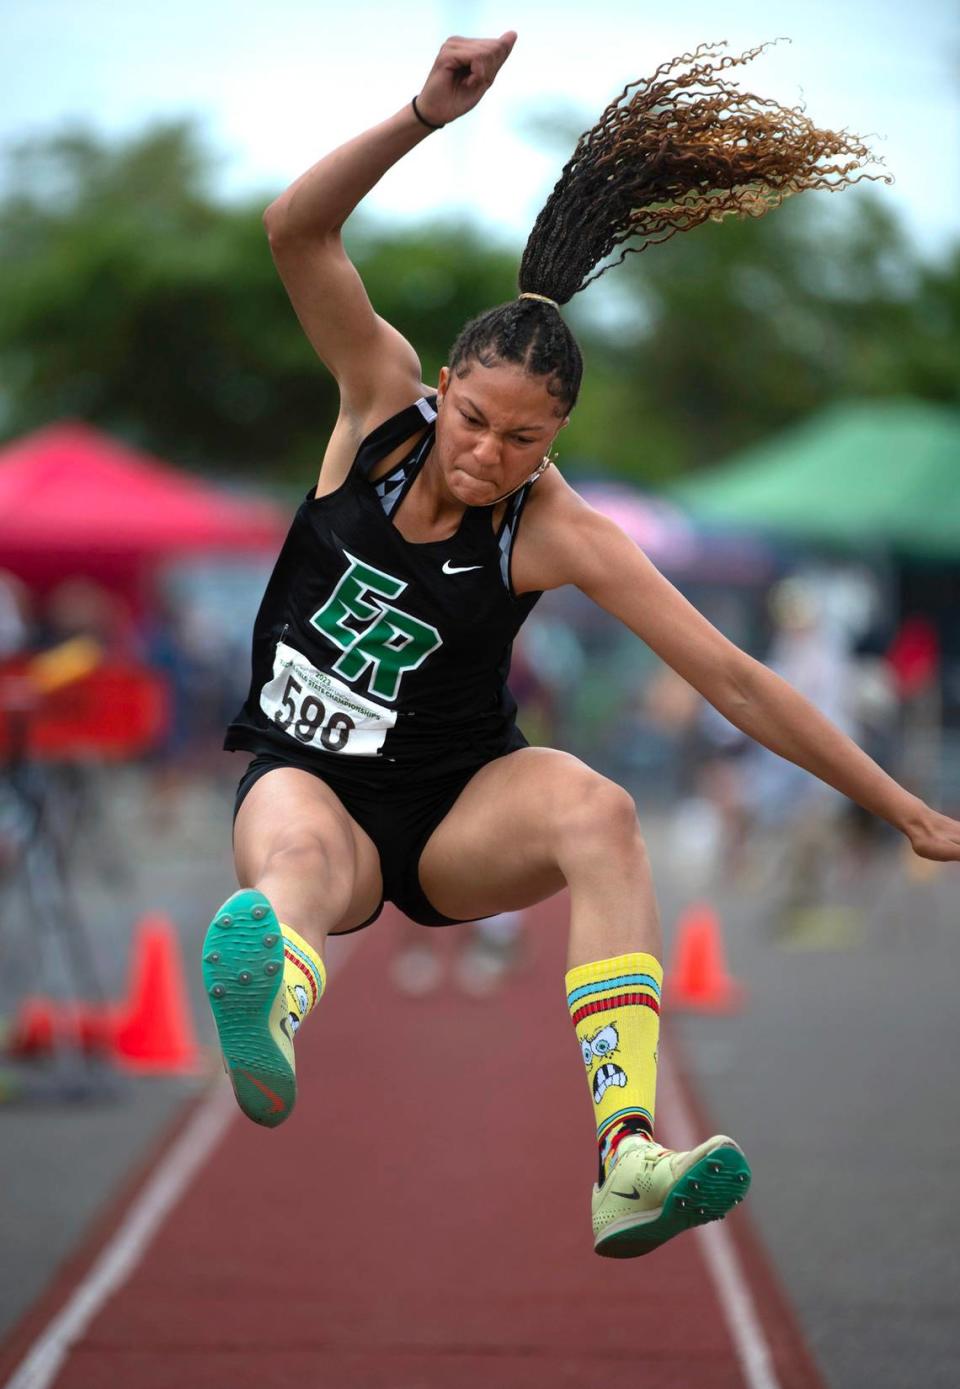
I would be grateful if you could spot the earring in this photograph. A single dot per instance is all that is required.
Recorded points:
(544, 465)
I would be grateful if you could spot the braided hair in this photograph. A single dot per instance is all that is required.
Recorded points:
(672, 151)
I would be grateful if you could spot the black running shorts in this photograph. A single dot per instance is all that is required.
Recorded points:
(399, 819)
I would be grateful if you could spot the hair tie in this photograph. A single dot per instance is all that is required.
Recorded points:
(528, 294)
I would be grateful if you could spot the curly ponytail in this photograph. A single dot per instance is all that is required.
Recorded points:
(685, 147)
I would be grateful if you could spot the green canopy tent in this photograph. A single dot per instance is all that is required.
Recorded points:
(865, 474)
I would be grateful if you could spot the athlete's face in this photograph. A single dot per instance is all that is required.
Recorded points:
(494, 426)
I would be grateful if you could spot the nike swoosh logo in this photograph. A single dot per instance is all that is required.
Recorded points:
(278, 1104)
(627, 1195)
(449, 568)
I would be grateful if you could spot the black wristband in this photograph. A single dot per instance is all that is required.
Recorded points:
(429, 124)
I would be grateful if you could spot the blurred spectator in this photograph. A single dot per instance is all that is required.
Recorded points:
(672, 706)
(804, 820)
(535, 705)
(81, 607)
(16, 616)
(876, 706)
(706, 826)
(914, 656)
(914, 661)
(546, 666)
(185, 650)
(208, 664)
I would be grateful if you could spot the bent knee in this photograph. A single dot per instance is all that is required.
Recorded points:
(326, 868)
(598, 809)
(301, 847)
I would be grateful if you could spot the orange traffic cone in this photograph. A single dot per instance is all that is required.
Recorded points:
(698, 979)
(154, 1030)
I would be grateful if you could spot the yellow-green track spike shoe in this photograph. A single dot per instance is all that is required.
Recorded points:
(653, 1193)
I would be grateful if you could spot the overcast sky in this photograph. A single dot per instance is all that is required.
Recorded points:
(280, 82)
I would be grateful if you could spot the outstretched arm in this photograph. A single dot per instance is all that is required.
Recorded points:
(601, 560)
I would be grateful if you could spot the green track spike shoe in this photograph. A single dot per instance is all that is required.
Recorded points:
(243, 965)
(653, 1193)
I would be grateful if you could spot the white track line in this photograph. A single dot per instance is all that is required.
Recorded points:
(130, 1242)
(720, 1254)
(128, 1245)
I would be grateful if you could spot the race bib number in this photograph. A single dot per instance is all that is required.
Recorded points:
(317, 710)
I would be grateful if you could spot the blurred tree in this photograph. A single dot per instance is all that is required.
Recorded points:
(751, 325)
(136, 298)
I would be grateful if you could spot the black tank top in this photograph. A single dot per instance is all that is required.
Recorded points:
(370, 650)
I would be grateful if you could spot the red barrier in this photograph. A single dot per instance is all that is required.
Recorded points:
(113, 713)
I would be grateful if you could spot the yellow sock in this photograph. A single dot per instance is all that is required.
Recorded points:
(304, 976)
(615, 1007)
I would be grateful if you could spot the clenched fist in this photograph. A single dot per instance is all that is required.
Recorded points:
(461, 73)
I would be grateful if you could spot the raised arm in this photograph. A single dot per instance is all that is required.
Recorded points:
(368, 357)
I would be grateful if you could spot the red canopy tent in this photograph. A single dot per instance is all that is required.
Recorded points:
(73, 501)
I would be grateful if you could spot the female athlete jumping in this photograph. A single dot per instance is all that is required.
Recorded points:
(387, 764)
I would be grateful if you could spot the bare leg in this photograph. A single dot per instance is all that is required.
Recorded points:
(531, 823)
(295, 842)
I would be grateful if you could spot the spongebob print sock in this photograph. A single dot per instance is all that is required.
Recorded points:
(615, 1007)
(304, 976)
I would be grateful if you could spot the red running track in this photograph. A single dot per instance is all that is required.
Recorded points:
(421, 1222)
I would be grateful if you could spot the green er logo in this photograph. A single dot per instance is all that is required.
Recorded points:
(392, 642)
